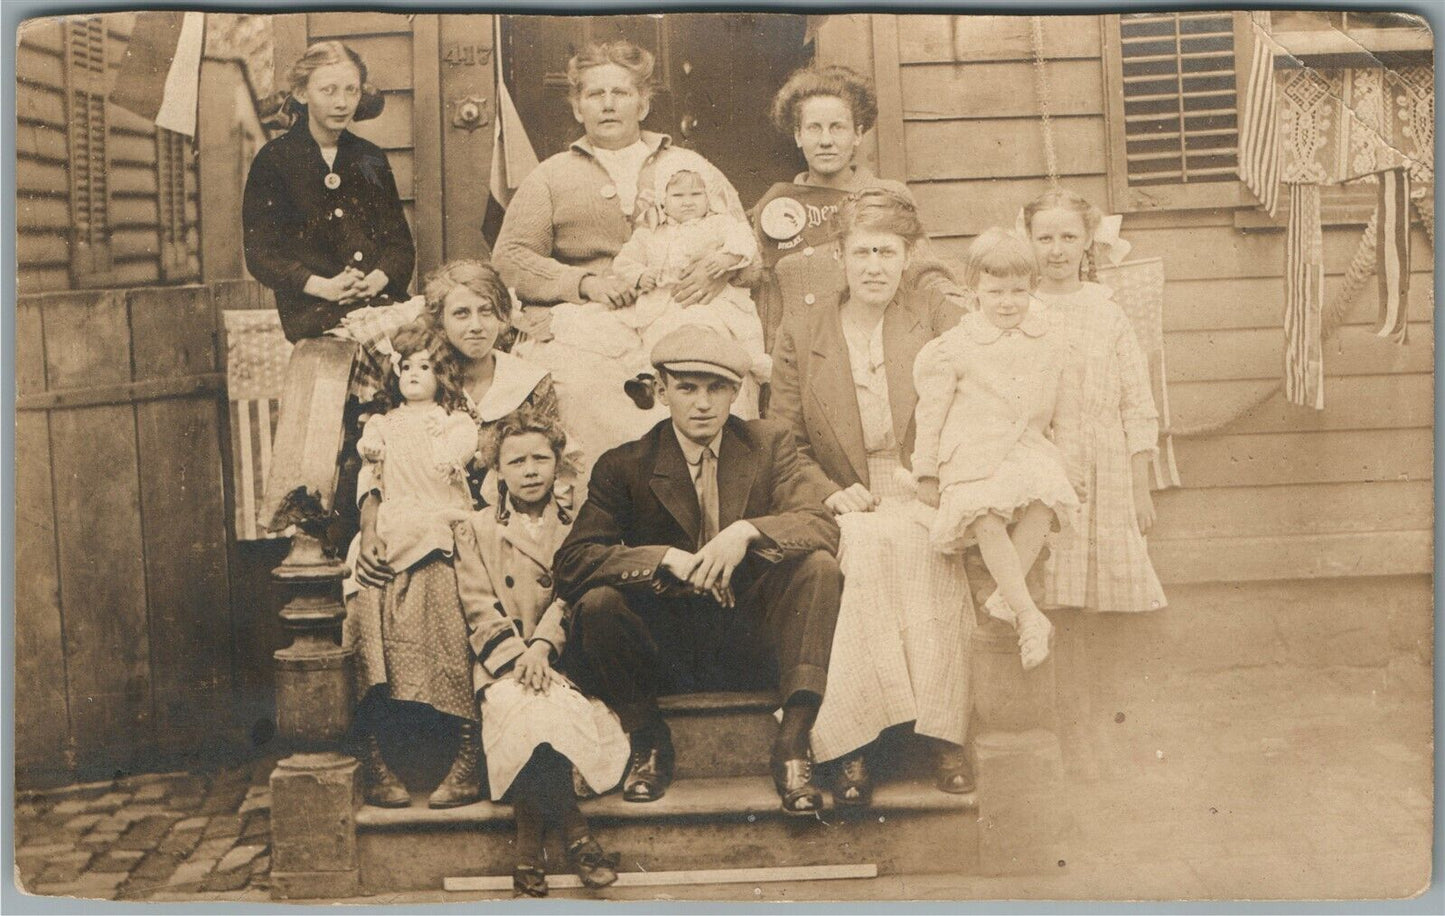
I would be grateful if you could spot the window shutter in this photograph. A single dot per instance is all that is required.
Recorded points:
(85, 74)
(172, 153)
(1174, 109)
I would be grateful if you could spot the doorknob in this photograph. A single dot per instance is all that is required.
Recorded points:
(470, 112)
(687, 126)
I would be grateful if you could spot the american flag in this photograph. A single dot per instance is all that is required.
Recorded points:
(1304, 291)
(1392, 241)
(256, 357)
(1259, 152)
(513, 157)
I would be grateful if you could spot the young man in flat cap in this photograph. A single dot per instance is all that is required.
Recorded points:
(704, 559)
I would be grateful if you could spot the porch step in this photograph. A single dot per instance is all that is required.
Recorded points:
(721, 734)
(721, 822)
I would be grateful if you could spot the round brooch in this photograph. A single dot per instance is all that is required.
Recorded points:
(332, 180)
(783, 218)
(608, 191)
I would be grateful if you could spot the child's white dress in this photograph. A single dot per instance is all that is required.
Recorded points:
(1104, 563)
(417, 455)
(504, 579)
(988, 400)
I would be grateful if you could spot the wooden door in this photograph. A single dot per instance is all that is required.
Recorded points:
(715, 78)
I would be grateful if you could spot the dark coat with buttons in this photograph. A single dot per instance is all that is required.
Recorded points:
(641, 501)
(295, 226)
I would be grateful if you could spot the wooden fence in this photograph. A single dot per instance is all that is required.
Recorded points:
(142, 628)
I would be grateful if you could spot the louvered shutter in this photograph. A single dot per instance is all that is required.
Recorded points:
(1173, 107)
(85, 74)
(172, 153)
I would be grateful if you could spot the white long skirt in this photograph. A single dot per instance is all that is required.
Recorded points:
(516, 721)
(901, 647)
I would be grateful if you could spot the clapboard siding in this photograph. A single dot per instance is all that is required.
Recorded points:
(965, 39)
(42, 170)
(1362, 402)
(1283, 483)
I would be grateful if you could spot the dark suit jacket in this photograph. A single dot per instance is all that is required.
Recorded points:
(641, 501)
(813, 389)
(295, 226)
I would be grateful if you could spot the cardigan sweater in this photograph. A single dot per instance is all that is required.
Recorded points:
(565, 222)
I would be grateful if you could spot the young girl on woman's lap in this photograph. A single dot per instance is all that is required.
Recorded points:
(991, 392)
(535, 725)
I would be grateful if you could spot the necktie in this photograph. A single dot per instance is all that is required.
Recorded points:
(707, 496)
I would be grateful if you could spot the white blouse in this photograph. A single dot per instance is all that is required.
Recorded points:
(870, 386)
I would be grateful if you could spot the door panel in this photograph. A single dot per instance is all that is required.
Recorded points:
(715, 76)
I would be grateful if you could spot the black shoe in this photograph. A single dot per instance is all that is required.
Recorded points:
(649, 770)
(595, 867)
(641, 391)
(854, 785)
(954, 774)
(793, 778)
(529, 880)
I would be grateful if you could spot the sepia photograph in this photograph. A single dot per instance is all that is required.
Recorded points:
(735, 456)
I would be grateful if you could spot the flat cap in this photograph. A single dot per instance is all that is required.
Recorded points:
(692, 348)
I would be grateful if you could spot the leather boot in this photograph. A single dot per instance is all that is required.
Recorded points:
(462, 785)
(383, 789)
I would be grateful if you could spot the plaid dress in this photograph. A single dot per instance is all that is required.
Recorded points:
(1103, 564)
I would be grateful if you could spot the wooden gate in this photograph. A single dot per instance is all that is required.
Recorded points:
(124, 635)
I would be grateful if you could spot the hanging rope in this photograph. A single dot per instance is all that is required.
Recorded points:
(1042, 91)
(1362, 266)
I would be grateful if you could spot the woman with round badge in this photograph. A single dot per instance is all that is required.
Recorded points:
(324, 226)
(827, 110)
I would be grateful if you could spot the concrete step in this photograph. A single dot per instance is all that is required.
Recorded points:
(721, 734)
(721, 822)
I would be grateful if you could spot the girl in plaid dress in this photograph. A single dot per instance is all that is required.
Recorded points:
(1103, 565)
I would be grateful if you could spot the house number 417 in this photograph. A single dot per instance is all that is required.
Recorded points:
(458, 55)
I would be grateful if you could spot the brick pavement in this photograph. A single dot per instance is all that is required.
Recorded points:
(1251, 782)
(183, 834)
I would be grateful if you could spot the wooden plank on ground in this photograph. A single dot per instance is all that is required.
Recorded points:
(1293, 556)
(1356, 402)
(1292, 458)
(1257, 354)
(1312, 508)
(999, 90)
(183, 516)
(1003, 148)
(969, 38)
(41, 721)
(684, 878)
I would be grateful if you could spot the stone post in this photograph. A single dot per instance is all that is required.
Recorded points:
(314, 792)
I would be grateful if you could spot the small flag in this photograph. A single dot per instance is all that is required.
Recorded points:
(1304, 285)
(513, 158)
(161, 74)
(1392, 241)
(1259, 153)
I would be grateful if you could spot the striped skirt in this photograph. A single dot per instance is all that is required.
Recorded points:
(901, 647)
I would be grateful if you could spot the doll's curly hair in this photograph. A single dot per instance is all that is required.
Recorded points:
(836, 81)
(415, 338)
